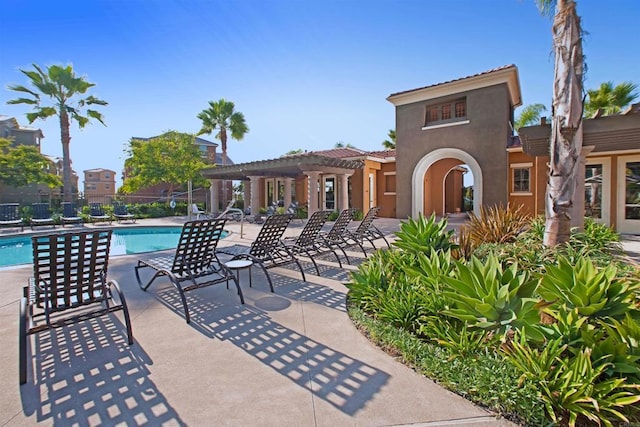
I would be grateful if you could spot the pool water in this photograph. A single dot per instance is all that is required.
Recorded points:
(124, 241)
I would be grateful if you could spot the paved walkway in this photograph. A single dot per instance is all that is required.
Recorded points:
(289, 358)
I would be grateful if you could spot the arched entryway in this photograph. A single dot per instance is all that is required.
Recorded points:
(428, 186)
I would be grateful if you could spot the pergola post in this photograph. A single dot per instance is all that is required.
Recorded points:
(312, 191)
(255, 195)
(287, 192)
(343, 203)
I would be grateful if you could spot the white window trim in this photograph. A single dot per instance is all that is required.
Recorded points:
(624, 225)
(389, 193)
(389, 173)
(513, 179)
(605, 214)
(445, 125)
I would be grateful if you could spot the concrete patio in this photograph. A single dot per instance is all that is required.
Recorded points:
(289, 358)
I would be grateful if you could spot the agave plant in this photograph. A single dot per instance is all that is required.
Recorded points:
(422, 235)
(591, 292)
(489, 296)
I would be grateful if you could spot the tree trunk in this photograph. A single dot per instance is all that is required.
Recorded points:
(65, 138)
(566, 130)
(223, 143)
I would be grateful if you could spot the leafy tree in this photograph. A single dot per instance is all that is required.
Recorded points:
(529, 115)
(66, 92)
(172, 158)
(221, 116)
(24, 165)
(611, 99)
(390, 144)
(566, 124)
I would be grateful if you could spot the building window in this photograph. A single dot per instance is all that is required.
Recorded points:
(521, 180)
(455, 110)
(107, 176)
(107, 187)
(389, 183)
(446, 112)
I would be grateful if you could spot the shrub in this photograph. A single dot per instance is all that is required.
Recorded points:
(422, 235)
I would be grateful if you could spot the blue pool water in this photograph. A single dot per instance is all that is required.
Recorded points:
(130, 240)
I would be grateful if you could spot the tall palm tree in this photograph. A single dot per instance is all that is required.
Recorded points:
(221, 115)
(611, 99)
(530, 115)
(566, 124)
(390, 144)
(60, 85)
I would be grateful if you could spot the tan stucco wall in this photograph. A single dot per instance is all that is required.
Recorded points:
(484, 138)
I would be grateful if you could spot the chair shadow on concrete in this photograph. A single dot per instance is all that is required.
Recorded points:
(87, 374)
(342, 381)
(309, 292)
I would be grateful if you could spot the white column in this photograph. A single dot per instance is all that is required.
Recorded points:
(247, 193)
(255, 195)
(287, 192)
(312, 191)
(343, 203)
(215, 195)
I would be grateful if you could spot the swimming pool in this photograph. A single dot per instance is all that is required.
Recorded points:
(125, 241)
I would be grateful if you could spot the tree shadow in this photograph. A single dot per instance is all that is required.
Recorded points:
(87, 374)
(339, 379)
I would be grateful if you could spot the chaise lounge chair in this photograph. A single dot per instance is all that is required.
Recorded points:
(195, 258)
(334, 239)
(365, 231)
(306, 243)
(267, 250)
(10, 216)
(69, 285)
(41, 215)
(97, 213)
(69, 214)
(121, 212)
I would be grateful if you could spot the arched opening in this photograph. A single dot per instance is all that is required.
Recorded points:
(438, 182)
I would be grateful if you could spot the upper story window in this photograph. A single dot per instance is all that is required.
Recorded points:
(521, 180)
(452, 111)
(203, 151)
(107, 175)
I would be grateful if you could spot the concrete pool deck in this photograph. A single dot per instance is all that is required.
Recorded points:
(289, 358)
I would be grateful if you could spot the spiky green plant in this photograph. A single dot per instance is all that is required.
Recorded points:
(422, 235)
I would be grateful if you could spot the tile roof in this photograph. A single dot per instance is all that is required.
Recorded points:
(504, 67)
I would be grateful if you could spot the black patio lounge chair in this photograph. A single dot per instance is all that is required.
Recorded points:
(267, 251)
(195, 258)
(10, 216)
(69, 285)
(41, 215)
(365, 231)
(306, 243)
(333, 239)
(69, 214)
(121, 212)
(97, 213)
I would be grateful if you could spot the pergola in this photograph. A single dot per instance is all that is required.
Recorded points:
(310, 165)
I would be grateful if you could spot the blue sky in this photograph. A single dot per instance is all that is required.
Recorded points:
(305, 74)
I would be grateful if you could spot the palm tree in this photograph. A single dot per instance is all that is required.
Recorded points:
(390, 144)
(530, 115)
(62, 86)
(221, 115)
(566, 125)
(611, 99)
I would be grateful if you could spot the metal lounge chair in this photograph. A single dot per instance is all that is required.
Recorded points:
(69, 285)
(41, 215)
(97, 213)
(121, 212)
(10, 216)
(267, 251)
(306, 243)
(334, 239)
(365, 231)
(69, 214)
(194, 264)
